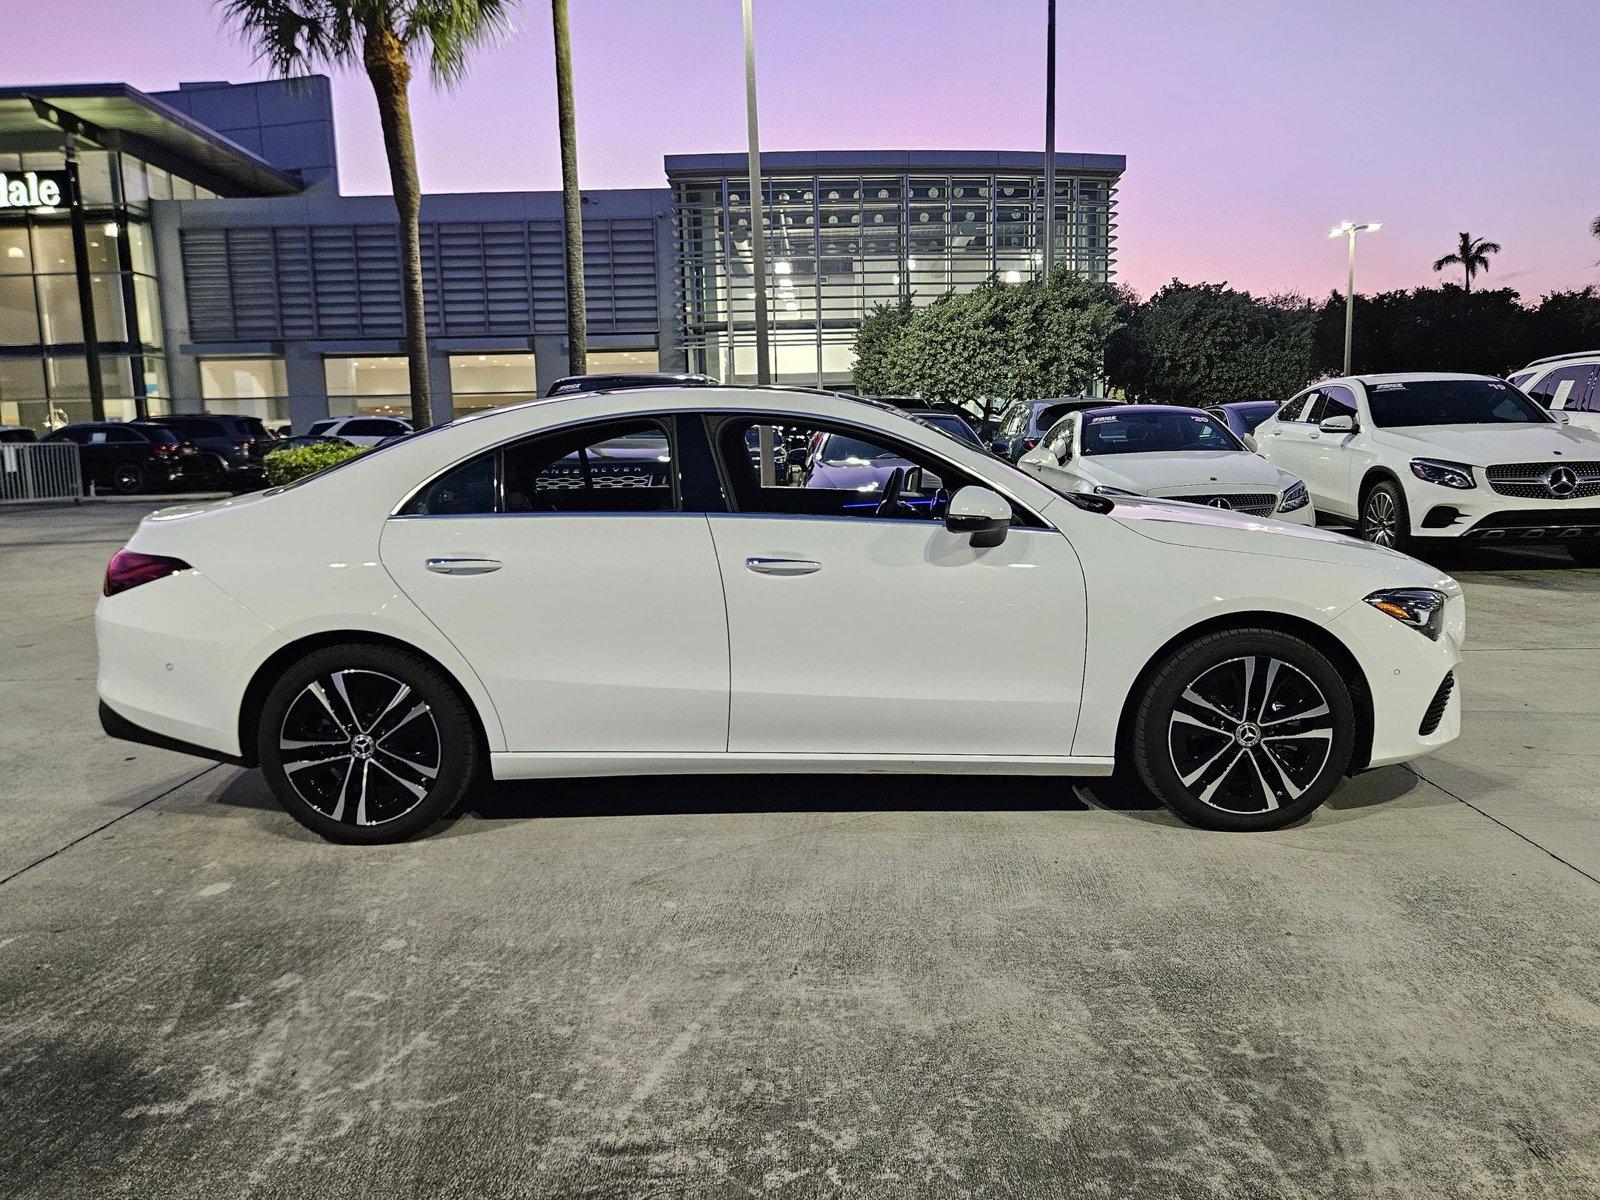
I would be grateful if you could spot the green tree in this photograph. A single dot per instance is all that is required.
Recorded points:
(382, 37)
(1207, 343)
(1471, 255)
(999, 342)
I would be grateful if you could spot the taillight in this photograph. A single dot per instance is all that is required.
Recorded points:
(165, 447)
(128, 569)
(1028, 443)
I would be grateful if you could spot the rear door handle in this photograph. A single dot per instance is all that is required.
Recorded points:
(782, 566)
(463, 566)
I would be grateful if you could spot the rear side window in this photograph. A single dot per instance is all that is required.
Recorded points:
(322, 426)
(373, 427)
(1562, 387)
(616, 467)
(1295, 410)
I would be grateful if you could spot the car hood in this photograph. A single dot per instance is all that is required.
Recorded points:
(1200, 470)
(1180, 524)
(1486, 445)
(852, 478)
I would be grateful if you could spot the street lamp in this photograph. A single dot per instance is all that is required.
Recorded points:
(1349, 229)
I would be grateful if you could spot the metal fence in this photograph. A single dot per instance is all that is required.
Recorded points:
(39, 471)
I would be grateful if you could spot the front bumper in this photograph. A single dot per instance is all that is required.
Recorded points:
(1482, 514)
(1405, 672)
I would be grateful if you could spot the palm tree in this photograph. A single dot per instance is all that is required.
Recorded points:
(382, 37)
(1472, 256)
(571, 198)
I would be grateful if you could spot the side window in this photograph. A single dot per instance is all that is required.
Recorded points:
(321, 426)
(1297, 408)
(624, 466)
(1556, 389)
(1059, 440)
(1586, 392)
(1016, 421)
(371, 427)
(1336, 402)
(468, 490)
(1520, 380)
(842, 471)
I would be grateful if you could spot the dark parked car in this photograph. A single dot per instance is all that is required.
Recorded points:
(232, 450)
(128, 456)
(1021, 426)
(16, 433)
(571, 385)
(1242, 416)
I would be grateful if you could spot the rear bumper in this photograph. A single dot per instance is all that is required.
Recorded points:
(118, 726)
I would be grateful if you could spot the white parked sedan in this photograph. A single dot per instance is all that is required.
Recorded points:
(463, 603)
(1416, 457)
(1166, 452)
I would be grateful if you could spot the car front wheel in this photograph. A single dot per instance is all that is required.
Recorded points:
(1244, 730)
(1384, 519)
(367, 743)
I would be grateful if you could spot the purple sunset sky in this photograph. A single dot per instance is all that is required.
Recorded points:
(1250, 126)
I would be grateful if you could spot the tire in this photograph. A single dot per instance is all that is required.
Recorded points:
(1585, 554)
(128, 478)
(1385, 520)
(1218, 771)
(352, 763)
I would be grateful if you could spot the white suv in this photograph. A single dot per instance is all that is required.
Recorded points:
(359, 430)
(1568, 383)
(1421, 456)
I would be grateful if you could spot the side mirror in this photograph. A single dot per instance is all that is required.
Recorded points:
(1251, 444)
(977, 511)
(1341, 424)
(796, 460)
(1561, 416)
(1000, 448)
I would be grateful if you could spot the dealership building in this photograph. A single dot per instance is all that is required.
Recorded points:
(191, 250)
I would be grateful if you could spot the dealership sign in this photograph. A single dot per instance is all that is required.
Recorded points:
(32, 189)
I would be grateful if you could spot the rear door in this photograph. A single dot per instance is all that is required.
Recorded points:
(1328, 457)
(853, 631)
(567, 573)
(1285, 439)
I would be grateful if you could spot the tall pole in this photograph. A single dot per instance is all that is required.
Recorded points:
(1049, 259)
(571, 197)
(80, 262)
(758, 210)
(1350, 301)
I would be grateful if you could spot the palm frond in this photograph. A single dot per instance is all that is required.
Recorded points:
(1595, 227)
(447, 31)
(1488, 247)
(1449, 260)
(294, 36)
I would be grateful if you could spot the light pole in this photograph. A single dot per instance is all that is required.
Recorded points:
(1348, 230)
(758, 209)
(1049, 258)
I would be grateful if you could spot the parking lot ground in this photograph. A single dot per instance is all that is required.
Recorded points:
(865, 986)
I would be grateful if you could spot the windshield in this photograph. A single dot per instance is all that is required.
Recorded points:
(1451, 402)
(839, 450)
(1154, 431)
(951, 424)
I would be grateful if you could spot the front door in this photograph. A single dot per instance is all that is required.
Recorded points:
(589, 604)
(862, 626)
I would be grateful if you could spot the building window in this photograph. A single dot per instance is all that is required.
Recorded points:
(379, 386)
(245, 387)
(490, 380)
(623, 362)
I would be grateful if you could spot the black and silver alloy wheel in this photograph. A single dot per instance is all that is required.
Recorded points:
(1384, 518)
(1250, 734)
(1244, 730)
(367, 743)
(358, 746)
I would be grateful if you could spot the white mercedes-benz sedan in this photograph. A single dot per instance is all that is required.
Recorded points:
(595, 585)
(1167, 452)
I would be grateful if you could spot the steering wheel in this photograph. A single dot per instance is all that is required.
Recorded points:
(889, 505)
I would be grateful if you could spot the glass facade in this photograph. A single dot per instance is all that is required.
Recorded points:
(44, 365)
(369, 385)
(246, 387)
(490, 380)
(838, 244)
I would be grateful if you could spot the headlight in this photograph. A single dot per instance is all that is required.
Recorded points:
(1294, 496)
(1445, 474)
(1420, 608)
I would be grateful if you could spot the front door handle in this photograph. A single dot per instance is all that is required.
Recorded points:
(782, 566)
(463, 566)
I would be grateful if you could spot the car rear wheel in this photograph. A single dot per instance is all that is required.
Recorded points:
(1245, 730)
(367, 744)
(128, 478)
(1384, 518)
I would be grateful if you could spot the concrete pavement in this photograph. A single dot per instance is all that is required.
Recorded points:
(852, 986)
